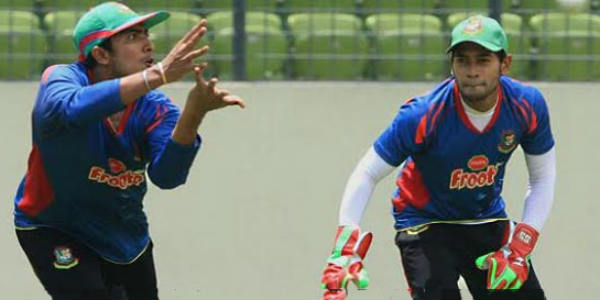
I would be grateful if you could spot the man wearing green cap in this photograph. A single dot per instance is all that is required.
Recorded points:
(98, 127)
(453, 144)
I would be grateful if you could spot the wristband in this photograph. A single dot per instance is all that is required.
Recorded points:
(145, 76)
(162, 72)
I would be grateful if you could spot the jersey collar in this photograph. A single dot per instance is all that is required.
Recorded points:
(460, 109)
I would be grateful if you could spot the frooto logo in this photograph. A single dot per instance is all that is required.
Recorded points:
(483, 174)
(118, 177)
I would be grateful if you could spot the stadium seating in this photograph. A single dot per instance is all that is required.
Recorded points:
(463, 6)
(23, 44)
(169, 5)
(224, 19)
(167, 33)
(22, 52)
(519, 41)
(320, 6)
(410, 46)
(266, 45)
(18, 19)
(67, 5)
(400, 6)
(537, 6)
(18, 4)
(266, 49)
(210, 6)
(565, 43)
(59, 27)
(328, 46)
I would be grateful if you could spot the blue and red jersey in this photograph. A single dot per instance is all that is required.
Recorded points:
(452, 171)
(86, 177)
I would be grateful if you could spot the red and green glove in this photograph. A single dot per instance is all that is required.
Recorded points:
(345, 263)
(508, 268)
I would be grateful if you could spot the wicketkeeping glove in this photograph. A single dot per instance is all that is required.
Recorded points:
(508, 267)
(345, 263)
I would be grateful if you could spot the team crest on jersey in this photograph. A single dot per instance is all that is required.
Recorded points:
(118, 175)
(479, 174)
(64, 258)
(508, 141)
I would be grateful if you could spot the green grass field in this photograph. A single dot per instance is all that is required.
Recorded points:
(257, 218)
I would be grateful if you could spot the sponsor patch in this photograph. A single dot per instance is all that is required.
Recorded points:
(118, 175)
(479, 174)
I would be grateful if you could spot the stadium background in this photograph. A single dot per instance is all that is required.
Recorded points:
(324, 39)
(257, 218)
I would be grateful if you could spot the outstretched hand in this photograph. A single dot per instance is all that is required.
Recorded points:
(206, 96)
(180, 59)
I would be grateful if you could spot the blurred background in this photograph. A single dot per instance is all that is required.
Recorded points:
(349, 40)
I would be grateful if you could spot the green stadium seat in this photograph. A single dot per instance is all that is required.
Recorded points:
(303, 23)
(19, 19)
(210, 6)
(136, 5)
(320, 6)
(266, 52)
(188, 6)
(28, 5)
(400, 6)
(68, 5)
(458, 6)
(328, 46)
(265, 48)
(519, 44)
(224, 19)
(568, 46)
(538, 6)
(22, 53)
(166, 34)
(412, 46)
(454, 6)
(519, 41)
(59, 26)
(220, 26)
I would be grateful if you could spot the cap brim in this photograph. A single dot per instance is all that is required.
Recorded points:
(148, 20)
(489, 46)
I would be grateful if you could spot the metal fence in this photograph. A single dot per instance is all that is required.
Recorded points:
(399, 40)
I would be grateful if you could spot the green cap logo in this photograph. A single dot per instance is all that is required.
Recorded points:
(473, 26)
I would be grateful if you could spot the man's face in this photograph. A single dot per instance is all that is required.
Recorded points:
(131, 51)
(477, 70)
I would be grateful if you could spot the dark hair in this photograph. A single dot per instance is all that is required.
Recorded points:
(90, 62)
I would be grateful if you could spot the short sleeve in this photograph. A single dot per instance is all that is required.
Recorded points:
(404, 136)
(538, 137)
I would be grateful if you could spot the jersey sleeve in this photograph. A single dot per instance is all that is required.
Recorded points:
(404, 136)
(538, 137)
(66, 100)
(170, 162)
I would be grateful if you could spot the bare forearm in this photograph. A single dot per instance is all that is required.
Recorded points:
(133, 86)
(187, 127)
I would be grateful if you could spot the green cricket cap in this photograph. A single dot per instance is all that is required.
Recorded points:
(107, 19)
(481, 30)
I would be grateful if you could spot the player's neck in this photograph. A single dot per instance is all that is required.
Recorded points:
(482, 105)
(100, 73)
